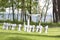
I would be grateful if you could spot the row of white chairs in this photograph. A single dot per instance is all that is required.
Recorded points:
(32, 28)
(27, 28)
(7, 25)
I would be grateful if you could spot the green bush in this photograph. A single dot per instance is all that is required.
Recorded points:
(32, 23)
(8, 21)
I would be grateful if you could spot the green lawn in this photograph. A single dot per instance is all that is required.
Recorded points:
(53, 34)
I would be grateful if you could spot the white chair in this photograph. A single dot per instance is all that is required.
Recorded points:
(37, 28)
(40, 29)
(25, 27)
(7, 25)
(19, 27)
(13, 26)
(46, 29)
(32, 28)
(4, 25)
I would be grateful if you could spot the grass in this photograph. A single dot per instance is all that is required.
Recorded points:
(53, 34)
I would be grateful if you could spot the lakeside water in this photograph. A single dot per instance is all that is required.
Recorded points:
(34, 18)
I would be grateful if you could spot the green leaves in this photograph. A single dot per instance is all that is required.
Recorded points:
(2, 9)
(18, 3)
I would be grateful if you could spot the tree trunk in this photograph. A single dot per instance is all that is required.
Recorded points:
(46, 10)
(23, 9)
(55, 12)
(58, 1)
(30, 10)
(13, 10)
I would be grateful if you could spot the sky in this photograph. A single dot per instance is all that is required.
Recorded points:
(50, 10)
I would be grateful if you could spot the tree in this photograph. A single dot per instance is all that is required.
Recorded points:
(22, 9)
(3, 4)
(55, 11)
(47, 2)
(58, 10)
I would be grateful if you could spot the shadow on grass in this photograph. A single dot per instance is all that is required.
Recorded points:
(17, 38)
(26, 34)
